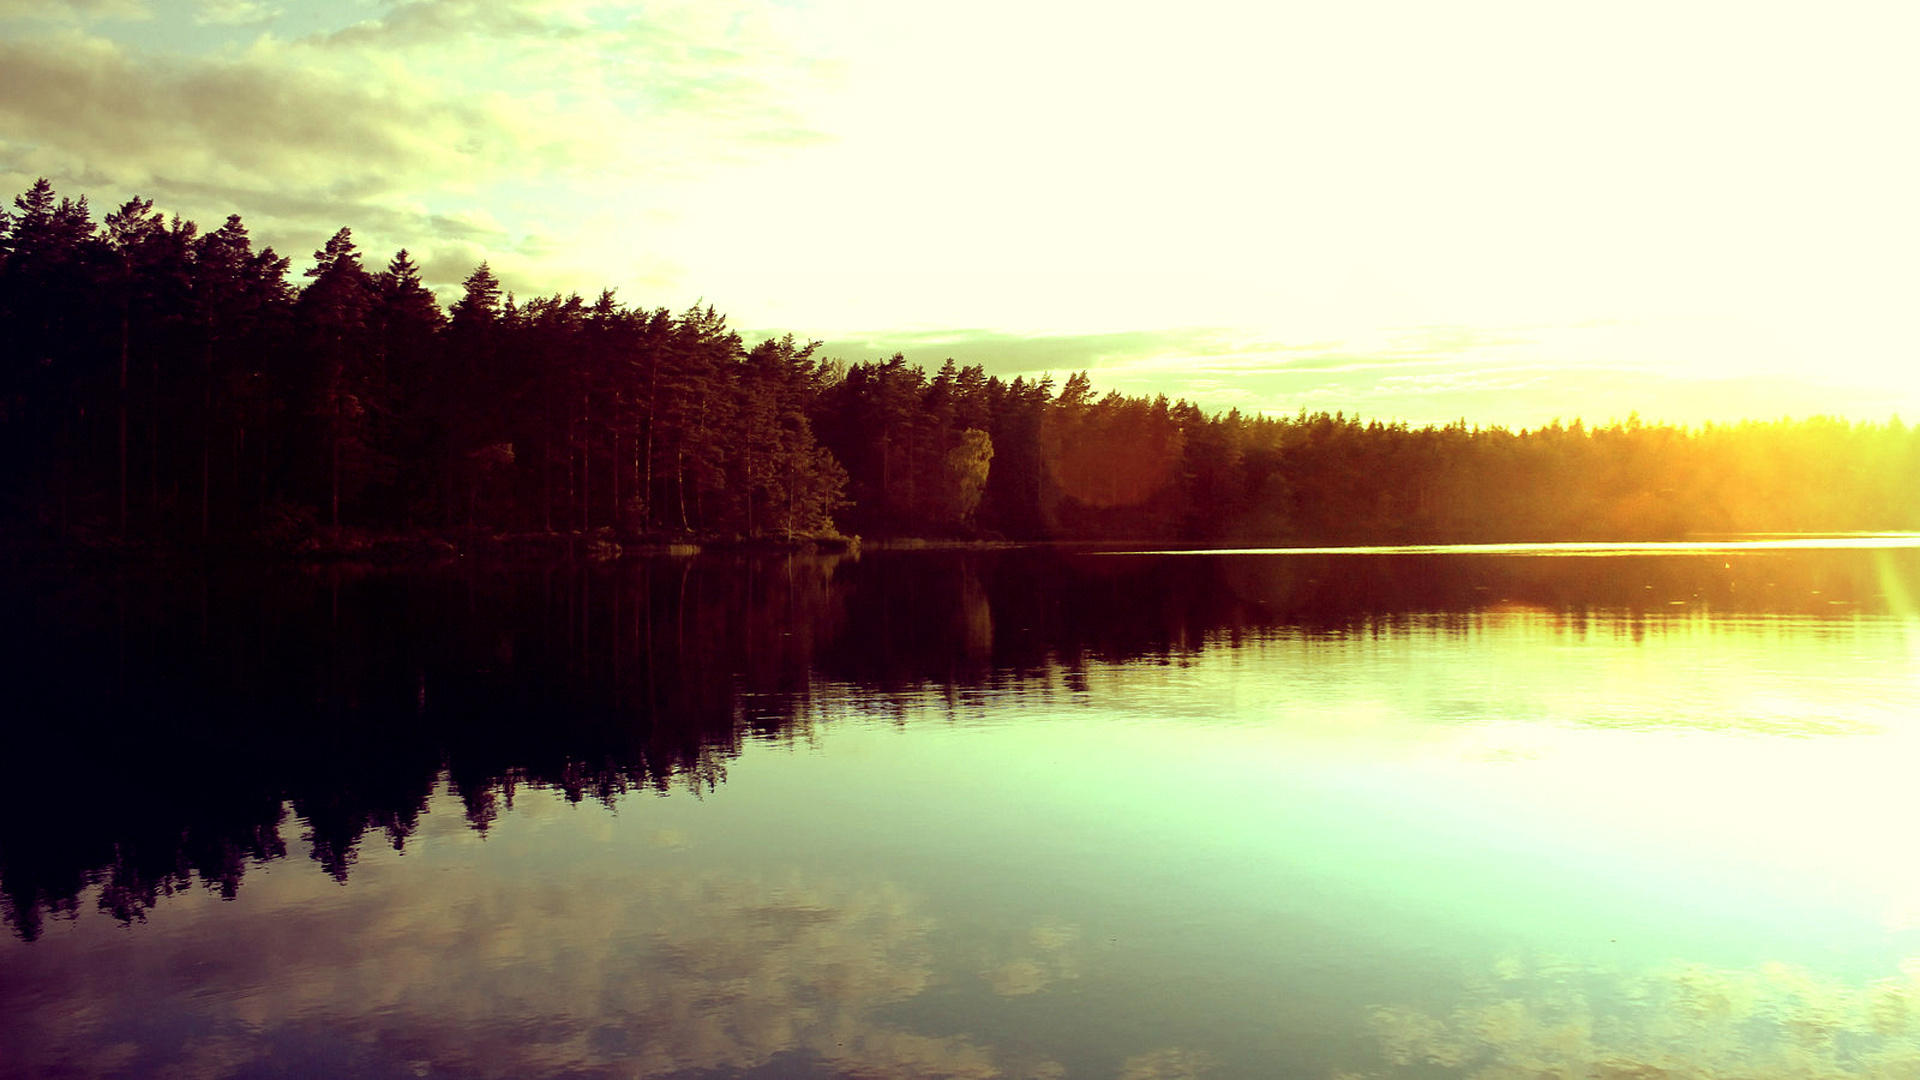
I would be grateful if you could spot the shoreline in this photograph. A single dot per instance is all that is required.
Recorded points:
(429, 549)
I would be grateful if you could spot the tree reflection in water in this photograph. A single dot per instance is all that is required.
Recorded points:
(165, 727)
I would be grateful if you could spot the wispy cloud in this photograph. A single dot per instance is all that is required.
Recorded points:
(1206, 356)
(1522, 376)
(1009, 354)
(234, 13)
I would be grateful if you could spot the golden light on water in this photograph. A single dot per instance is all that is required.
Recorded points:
(1878, 542)
(1895, 586)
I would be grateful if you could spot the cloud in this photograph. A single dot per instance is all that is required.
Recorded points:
(1006, 354)
(1518, 376)
(249, 126)
(234, 13)
(1196, 350)
(394, 126)
(1430, 370)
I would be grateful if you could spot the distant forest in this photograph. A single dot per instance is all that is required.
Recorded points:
(163, 385)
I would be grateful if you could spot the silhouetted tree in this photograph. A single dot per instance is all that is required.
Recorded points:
(348, 383)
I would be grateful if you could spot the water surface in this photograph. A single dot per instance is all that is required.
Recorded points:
(1011, 813)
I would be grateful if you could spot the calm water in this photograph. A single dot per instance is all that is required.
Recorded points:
(988, 814)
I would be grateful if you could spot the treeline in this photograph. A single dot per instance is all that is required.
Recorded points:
(161, 382)
(924, 452)
(157, 382)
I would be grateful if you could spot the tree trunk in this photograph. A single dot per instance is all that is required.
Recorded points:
(333, 463)
(586, 463)
(206, 441)
(546, 484)
(124, 331)
(680, 479)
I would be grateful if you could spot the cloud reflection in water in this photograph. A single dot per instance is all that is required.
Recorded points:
(615, 969)
(1681, 1020)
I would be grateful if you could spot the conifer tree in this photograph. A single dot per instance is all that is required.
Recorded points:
(334, 311)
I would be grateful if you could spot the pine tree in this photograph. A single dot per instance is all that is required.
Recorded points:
(334, 311)
(407, 336)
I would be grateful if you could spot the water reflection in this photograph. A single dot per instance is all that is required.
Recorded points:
(463, 966)
(1681, 1019)
(1122, 816)
(190, 713)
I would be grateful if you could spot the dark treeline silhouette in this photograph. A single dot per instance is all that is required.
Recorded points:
(171, 730)
(158, 382)
(161, 383)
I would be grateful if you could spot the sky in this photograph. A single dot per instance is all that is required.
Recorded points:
(1506, 213)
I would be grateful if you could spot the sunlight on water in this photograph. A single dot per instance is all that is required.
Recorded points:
(1843, 542)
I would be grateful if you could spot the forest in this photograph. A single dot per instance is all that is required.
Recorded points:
(160, 385)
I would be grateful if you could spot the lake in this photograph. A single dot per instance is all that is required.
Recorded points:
(1589, 811)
